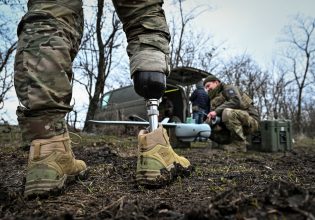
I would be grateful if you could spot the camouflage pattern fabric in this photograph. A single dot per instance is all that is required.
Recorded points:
(49, 37)
(239, 123)
(229, 96)
(239, 116)
(147, 34)
(236, 125)
(217, 101)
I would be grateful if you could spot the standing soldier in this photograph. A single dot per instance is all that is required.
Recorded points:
(200, 103)
(49, 37)
(238, 115)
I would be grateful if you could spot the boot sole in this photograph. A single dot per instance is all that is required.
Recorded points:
(46, 187)
(162, 177)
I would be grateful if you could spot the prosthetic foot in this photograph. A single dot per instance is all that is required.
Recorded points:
(157, 163)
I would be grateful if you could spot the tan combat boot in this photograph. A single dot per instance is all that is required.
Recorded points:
(51, 162)
(235, 146)
(157, 163)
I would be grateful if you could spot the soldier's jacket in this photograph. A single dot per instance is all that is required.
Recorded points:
(229, 96)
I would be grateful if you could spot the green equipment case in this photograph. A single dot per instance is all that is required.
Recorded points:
(273, 136)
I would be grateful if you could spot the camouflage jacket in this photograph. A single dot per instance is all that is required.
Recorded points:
(229, 96)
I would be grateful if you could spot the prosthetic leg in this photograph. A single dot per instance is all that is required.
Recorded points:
(153, 113)
(157, 163)
(151, 86)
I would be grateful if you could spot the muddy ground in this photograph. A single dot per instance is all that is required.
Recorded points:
(252, 185)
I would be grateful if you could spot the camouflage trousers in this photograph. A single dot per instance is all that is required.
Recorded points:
(49, 37)
(236, 125)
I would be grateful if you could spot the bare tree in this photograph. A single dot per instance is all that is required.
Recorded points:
(300, 56)
(243, 72)
(191, 48)
(309, 121)
(273, 96)
(280, 94)
(96, 56)
(178, 49)
(6, 80)
(188, 47)
(8, 43)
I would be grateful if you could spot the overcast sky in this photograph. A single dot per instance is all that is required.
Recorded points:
(248, 25)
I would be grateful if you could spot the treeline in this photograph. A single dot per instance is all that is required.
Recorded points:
(285, 90)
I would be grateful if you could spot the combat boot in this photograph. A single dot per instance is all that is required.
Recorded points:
(235, 146)
(157, 163)
(51, 165)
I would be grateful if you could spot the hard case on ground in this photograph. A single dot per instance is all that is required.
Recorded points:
(273, 136)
